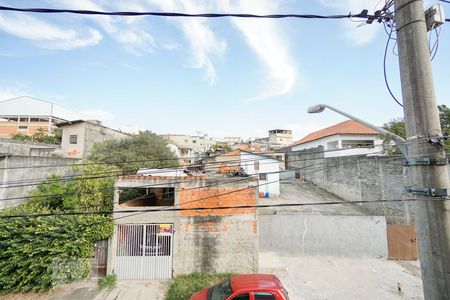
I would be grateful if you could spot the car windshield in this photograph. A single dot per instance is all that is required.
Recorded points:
(221, 291)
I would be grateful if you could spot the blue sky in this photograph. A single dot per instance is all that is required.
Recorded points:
(222, 77)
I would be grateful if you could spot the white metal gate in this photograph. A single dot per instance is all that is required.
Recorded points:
(144, 251)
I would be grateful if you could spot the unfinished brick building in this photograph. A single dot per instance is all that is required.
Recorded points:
(175, 237)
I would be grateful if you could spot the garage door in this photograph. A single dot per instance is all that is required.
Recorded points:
(144, 251)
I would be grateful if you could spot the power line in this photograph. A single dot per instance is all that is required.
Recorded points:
(204, 208)
(362, 15)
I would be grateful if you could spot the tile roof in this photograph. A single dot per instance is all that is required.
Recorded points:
(349, 127)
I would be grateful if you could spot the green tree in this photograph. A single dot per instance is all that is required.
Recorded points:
(20, 136)
(444, 116)
(397, 126)
(37, 253)
(142, 150)
(40, 136)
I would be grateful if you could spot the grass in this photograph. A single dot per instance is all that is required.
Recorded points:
(107, 282)
(182, 287)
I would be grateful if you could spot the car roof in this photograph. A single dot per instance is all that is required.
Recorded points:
(255, 282)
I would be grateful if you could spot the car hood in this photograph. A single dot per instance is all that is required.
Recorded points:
(200, 295)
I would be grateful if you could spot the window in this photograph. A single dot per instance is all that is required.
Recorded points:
(264, 296)
(256, 165)
(23, 127)
(34, 120)
(23, 119)
(73, 139)
(262, 176)
(149, 196)
(242, 297)
(194, 141)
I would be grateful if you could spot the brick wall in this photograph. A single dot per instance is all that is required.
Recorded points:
(207, 240)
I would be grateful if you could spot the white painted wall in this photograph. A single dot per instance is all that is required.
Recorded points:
(266, 165)
(345, 152)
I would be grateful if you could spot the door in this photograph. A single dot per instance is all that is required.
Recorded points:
(144, 251)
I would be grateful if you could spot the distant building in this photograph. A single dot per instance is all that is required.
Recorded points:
(190, 147)
(78, 137)
(265, 168)
(343, 139)
(27, 114)
(231, 140)
(279, 138)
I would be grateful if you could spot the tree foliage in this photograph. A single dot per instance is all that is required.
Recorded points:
(397, 126)
(37, 253)
(40, 136)
(444, 116)
(143, 150)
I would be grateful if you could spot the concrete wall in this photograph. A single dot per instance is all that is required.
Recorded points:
(23, 171)
(27, 148)
(360, 178)
(88, 134)
(319, 235)
(207, 240)
(323, 142)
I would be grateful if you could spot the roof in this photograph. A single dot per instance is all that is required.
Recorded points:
(349, 127)
(254, 282)
(29, 106)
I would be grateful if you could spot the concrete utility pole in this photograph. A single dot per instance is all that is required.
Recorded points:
(428, 177)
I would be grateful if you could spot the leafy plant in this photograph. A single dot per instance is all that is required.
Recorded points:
(37, 253)
(184, 286)
(142, 150)
(107, 282)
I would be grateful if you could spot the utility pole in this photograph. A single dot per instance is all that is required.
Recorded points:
(429, 178)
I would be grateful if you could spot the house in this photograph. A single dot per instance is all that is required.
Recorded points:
(265, 168)
(182, 225)
(190, 148)
(27, 114)
(79, 136)
(279, 138)
(343, 139)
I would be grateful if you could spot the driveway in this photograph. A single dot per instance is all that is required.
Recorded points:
(136, 290)
(344, 278)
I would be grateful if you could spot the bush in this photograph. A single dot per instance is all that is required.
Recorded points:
(37, 253)
(107, 282)
(184, 286)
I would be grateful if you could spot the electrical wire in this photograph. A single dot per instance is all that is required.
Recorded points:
(384, 67)
(361, 15)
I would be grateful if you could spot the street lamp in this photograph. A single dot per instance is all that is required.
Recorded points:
(399, 141)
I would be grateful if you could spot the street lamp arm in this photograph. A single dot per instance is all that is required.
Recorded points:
(399, 141)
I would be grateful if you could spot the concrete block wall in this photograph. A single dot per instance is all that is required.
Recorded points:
(359, 178)
(20, 171)
(320, 235)
(204, 240)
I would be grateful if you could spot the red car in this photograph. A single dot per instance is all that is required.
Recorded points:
(245, 287)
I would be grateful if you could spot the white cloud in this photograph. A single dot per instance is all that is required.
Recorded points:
(133, 33)
(11, 92)
(98, 114)
(268, 42)
(358, 35)
(203, 42)
(47, 35)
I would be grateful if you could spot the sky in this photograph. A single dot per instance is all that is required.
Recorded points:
(221, 77)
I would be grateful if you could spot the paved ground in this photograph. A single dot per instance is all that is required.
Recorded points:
(344, 278)
(87, 290)
(136, 290)
(295, 191)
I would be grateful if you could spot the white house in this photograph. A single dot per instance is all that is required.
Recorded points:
(343, 139)
(265, 168)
